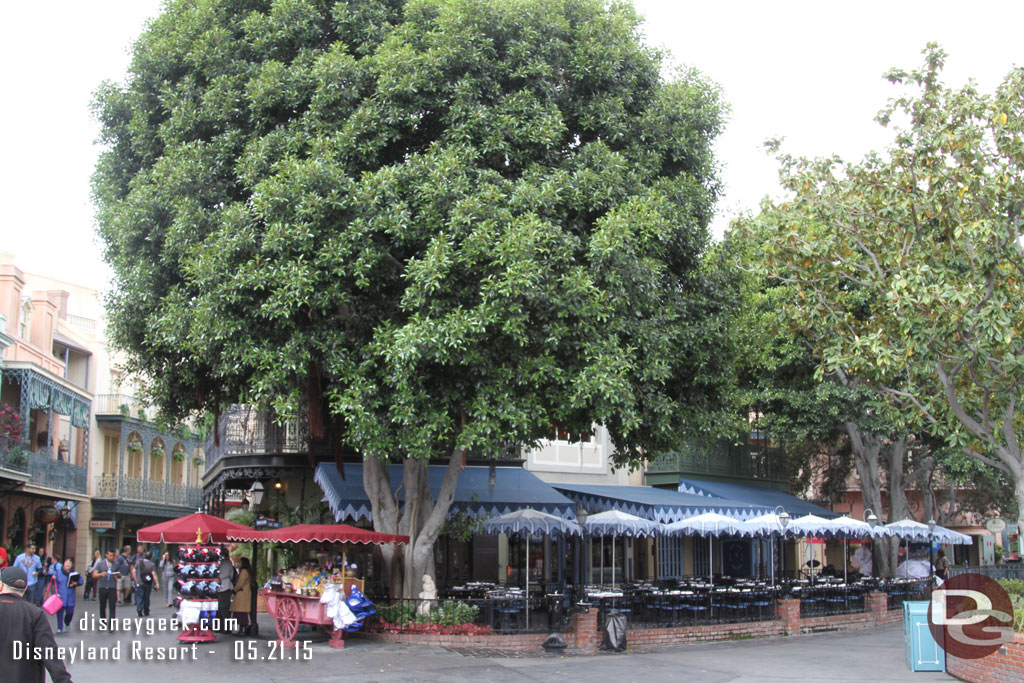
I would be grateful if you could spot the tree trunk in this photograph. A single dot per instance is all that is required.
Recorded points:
(377, 484)
(895, 457)
(431, 519)
(866, 448)
(420, 518)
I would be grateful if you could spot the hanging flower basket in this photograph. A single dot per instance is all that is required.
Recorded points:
(197, 461)
(156, 452)
(134, 447)
(178, 456)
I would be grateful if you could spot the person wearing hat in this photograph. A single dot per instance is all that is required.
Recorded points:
(21, 621)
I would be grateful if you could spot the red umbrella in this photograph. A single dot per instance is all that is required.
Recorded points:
(329, 533)
(196, 528)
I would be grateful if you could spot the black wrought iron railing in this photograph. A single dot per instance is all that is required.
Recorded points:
(44, 468)
(660, 608)
(828, 600)
(147, 490)
(723, 459)
(14, 455)
(902, 590)
(249, 430)
(994, 571)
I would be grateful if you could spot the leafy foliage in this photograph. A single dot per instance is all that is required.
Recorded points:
(448, 613)
(459, 220)
(913, 259)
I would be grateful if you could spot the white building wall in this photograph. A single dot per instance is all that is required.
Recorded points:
(579, 462)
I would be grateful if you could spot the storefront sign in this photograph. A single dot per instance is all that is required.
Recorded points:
(995, 525)
(102, 524)
(267, 523)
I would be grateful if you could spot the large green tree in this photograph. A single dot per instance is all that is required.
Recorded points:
(436, 226)
(912, 261)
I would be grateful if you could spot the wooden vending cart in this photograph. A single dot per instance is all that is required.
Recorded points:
(289, 608)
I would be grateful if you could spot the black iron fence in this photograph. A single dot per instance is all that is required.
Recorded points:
(827, 600)
(660, 608)
(994, 571)
(902, 590)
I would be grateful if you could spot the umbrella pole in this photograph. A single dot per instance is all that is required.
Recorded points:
(602, 561)
(711, 560)
(527, 579)
(613, 561)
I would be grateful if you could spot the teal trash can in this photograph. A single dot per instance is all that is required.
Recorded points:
(923, 653)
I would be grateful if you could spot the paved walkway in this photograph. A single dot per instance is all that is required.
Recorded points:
(838, 657)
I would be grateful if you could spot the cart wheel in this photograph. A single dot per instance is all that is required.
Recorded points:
(287, 621)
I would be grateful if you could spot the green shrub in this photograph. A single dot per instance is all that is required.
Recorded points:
(1015, 587)
(449, 613)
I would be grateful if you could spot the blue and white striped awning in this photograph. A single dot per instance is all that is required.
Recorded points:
(661, 505)
(766, 496)
(514, 489)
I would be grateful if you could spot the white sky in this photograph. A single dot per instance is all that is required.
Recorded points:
(807, 71)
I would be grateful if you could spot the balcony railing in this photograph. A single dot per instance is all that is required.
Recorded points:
(248, 430)
(13, 455)
(723, 459)
(44, 469)
(119, 404)
(147, 490)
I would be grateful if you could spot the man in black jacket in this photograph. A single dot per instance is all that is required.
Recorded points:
(25, 623)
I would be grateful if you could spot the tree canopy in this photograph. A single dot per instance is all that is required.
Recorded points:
(912, 261)
(450, 223)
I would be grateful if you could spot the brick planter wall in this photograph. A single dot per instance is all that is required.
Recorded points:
(1003, 666)
(583, 634)
(524, 641)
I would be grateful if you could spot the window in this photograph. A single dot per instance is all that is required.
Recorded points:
(25, 318)
(670, 557)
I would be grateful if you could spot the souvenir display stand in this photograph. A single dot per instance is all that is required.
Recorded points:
(197, 586)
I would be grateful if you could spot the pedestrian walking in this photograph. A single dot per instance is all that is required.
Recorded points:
(124, 583)
(90, 583)
(67, 581)
(144, 578)
(22, 622)
(107, 573)
(33, 566)
(167, 572)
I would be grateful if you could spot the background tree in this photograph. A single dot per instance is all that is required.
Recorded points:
(913, 261)
(438, 227)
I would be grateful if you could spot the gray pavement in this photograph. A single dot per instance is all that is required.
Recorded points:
(838, 657)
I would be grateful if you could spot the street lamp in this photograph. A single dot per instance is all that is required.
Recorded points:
(783, 516)
(931, 566)
(871, 518)
(255, 498)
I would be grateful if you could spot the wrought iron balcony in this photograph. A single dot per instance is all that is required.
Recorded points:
(723, 459)
(147, 490)
(13, 455)
(248, 430)
(43, 468)
(51, 473)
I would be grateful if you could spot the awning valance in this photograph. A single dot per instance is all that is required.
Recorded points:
(661, 505)
(758, 495)
(514, 489)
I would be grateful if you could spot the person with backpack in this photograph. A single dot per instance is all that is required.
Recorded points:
(144, 577)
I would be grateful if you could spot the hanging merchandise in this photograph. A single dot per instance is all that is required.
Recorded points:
(197, 585)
